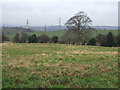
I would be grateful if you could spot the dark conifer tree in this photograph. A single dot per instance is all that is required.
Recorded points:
(92, 41)
(33, 39)
(110, 40)
(54, 39)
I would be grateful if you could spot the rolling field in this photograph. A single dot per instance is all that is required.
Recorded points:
(59, 66)
(49, 33)
(61, 33)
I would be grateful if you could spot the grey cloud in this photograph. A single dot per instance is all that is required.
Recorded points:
(40, 13)
(17, 7)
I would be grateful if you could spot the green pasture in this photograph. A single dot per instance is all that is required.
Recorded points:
(28, 65)
(61, 33)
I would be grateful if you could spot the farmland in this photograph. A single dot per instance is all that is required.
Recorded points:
(49, 33)
(59, 66)
(60, 33)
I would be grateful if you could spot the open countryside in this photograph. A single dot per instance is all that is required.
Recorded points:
(51, 60)
(59, 44)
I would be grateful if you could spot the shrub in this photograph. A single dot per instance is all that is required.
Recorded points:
(23, 37)
(20, 37)
(117, 40)
(16, 38)
(110, 40)
(101, 39)
(43, 38)
(92, 41)
(54, 39)
(4, 38)
(69, 37)
(33, 39)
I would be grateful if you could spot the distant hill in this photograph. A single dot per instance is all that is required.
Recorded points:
(106, 27)
(13, 30)
(57, 28)
(48, 28)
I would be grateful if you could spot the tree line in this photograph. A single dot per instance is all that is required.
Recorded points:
(22, 37)
(108, 40)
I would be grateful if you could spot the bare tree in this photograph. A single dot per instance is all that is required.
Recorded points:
(80, 24)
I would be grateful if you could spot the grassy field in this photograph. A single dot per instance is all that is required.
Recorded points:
(60, 33)
(59, 66)
(49, 33)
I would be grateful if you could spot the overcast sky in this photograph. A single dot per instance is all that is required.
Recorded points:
(41, 12)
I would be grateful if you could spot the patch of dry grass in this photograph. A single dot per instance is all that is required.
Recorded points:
(47, 65)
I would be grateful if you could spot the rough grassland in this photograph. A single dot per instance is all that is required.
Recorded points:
(59, 66)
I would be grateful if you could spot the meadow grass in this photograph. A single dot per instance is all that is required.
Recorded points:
(59, 66)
